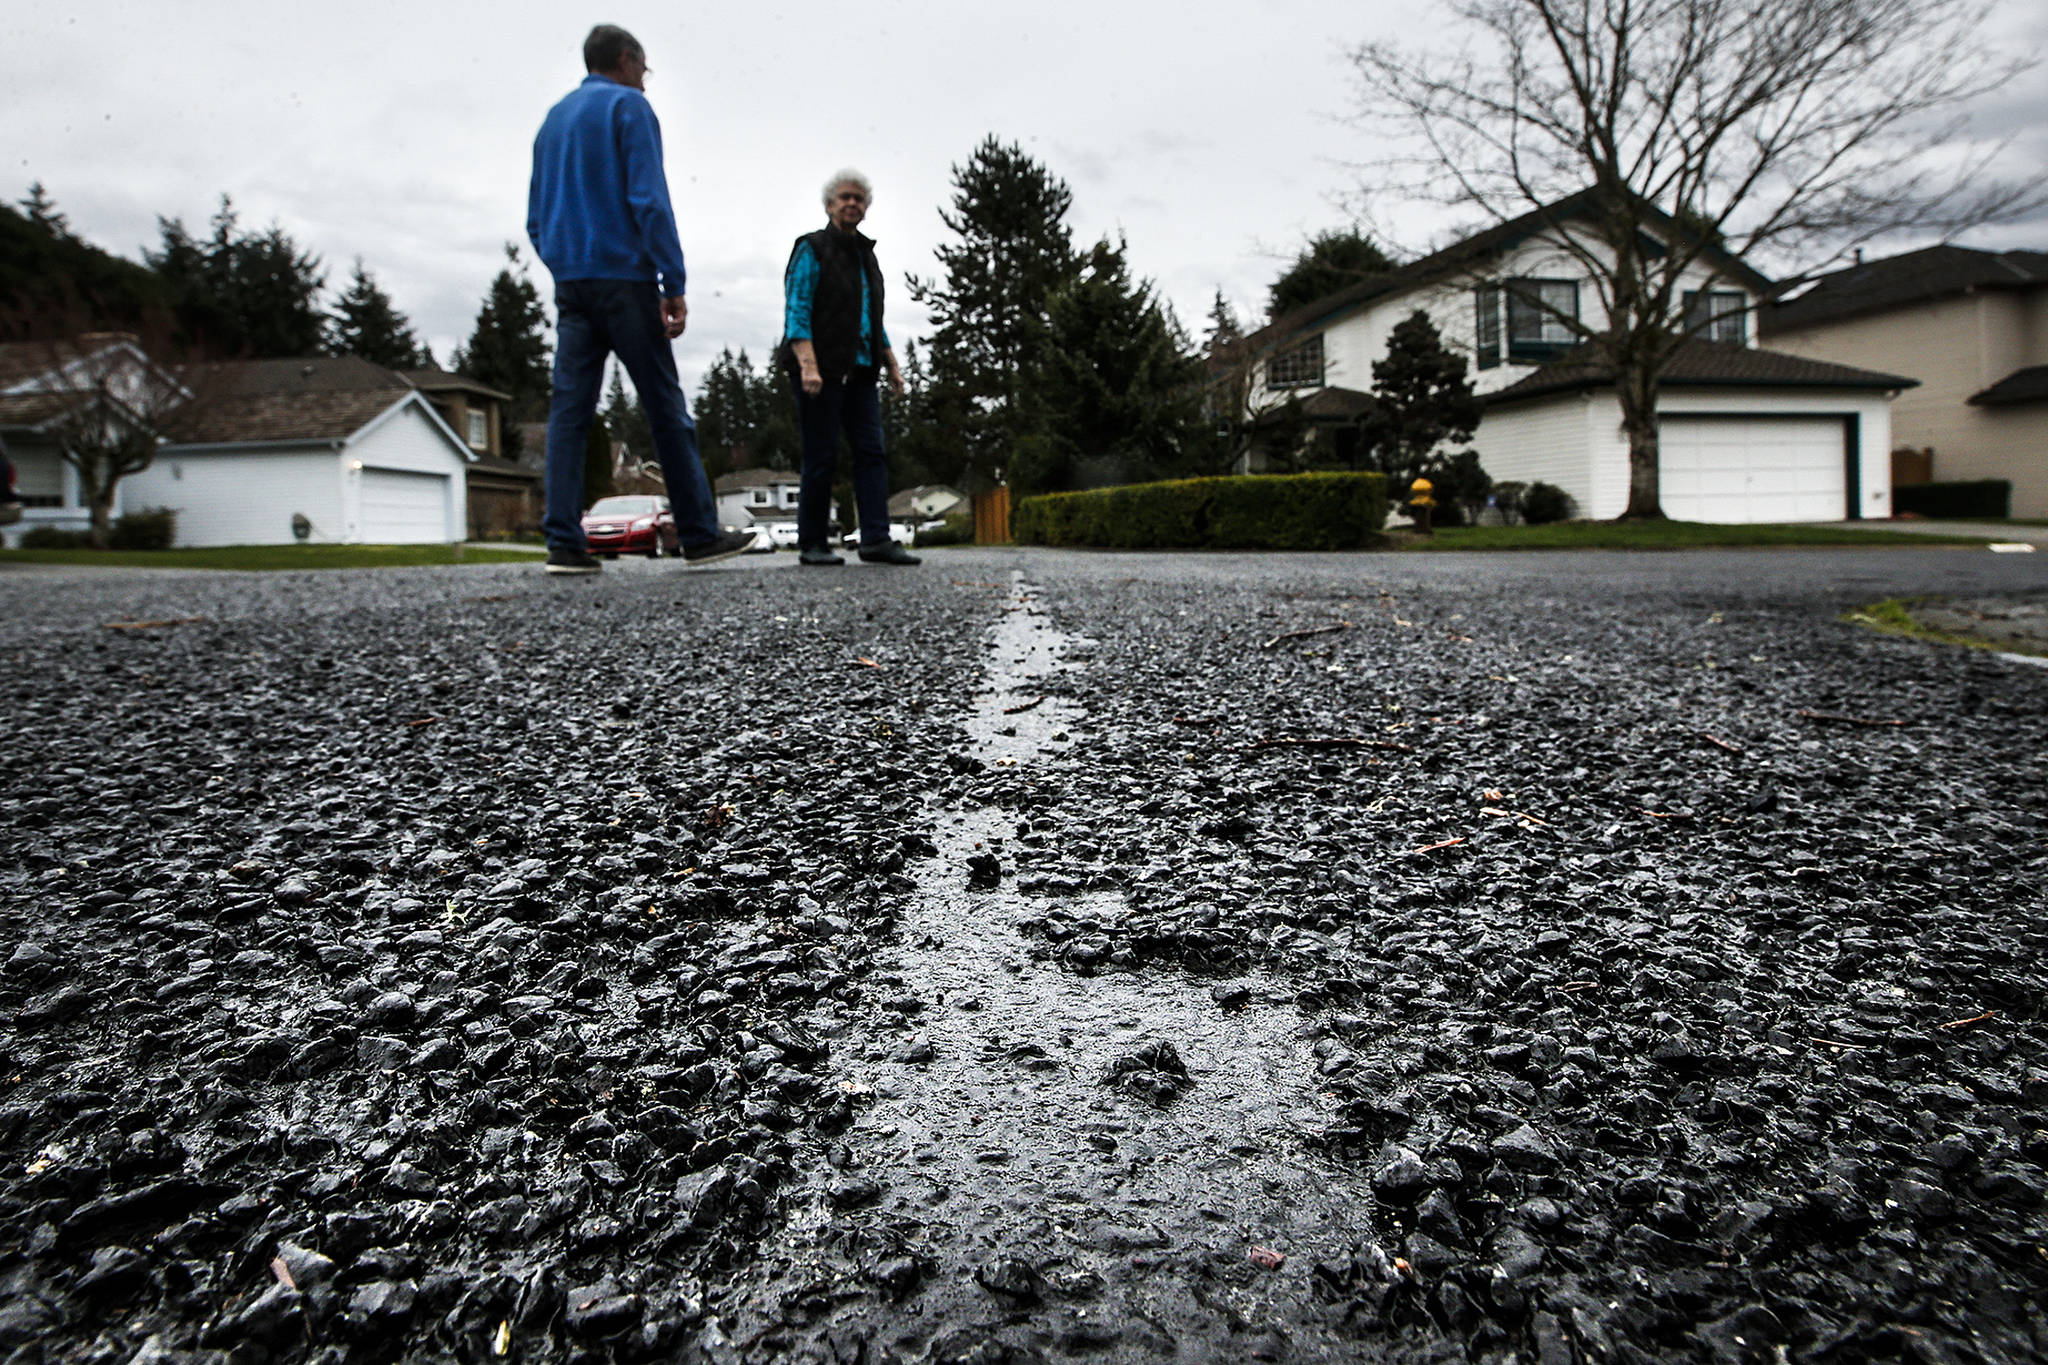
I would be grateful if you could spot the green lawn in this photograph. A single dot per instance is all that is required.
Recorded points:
(266, 558)
(1664, 535)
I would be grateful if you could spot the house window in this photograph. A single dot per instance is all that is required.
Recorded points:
(479, 430)
(1487, 333)
(1716, 315)
(1540, 318)
(758, 497)
(1300, 367)
(790, 495)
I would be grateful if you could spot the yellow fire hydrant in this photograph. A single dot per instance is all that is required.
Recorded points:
(1421, 500)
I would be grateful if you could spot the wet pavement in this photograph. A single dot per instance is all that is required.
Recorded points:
(1035, 955)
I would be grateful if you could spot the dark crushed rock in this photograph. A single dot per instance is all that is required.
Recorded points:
(441, 966)
(1154, 1072)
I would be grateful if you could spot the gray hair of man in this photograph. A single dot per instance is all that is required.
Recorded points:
(847, 175)
(607, 46)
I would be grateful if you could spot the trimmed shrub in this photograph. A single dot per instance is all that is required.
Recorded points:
(1543, 503)
(52, 538)
(1960, 498)
(958, 530)
(154, 529)
(1246, 512)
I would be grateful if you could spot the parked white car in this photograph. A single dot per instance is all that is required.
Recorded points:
(902, 532)
(782, 534)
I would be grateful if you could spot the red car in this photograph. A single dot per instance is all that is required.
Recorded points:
(631, 524)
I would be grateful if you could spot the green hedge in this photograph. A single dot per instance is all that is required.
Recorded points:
(1251, 512)
(1964, 498)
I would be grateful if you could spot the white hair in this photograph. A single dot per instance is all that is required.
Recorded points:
(847, 175)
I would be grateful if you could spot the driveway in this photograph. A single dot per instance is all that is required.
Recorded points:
(1029, 955)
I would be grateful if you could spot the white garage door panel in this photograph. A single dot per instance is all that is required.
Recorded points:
(401, 508)
(1753, 469)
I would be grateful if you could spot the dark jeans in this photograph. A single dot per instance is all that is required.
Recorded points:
(596, 319)
(852, 405)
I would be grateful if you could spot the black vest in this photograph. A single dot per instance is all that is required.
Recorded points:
(836, 323)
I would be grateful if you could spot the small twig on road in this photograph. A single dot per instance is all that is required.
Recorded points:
(153, 625)
(1986, 1017)
(1334, 742)
(1303, 634)
(423, 720)
(864, 661)
(1720, 743)
(1026, 706)
(1443, 843)
(1835, 719)
(1836, 1043)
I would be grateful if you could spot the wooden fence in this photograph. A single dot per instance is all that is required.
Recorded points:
(992, 517)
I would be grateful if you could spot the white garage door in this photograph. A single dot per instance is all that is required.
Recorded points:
(1752, 469)
(403, 508)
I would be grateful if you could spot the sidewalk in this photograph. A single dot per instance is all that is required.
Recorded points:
(1990, 531)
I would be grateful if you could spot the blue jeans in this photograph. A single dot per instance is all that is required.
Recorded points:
(595, 319)
(854, 406)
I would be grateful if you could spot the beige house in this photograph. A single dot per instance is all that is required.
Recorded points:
(1972, 327)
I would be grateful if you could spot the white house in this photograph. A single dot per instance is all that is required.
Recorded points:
(1745, 435)
(926, 501)
(757, 497)
(337, 447)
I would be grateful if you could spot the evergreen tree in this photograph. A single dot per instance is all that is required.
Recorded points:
(42, 211)
(625, 422)
(1332, 260)
(365, 323)
(52, 284)
(1224, 328)
(508, 348)
(1423, 401)
(247, 294)
(988, 307)
(597, 464)
(746, 417)
(1119, 396)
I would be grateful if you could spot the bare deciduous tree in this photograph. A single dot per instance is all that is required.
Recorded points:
(107, 404)
(1689, 134)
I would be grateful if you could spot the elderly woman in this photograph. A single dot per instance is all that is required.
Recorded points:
(832, 346)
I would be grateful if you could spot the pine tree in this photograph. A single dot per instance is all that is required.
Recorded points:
(988, 308)
(625, 421)
(42, 211)
(240, 293)
(1332, 260)
(508, 348)
(1118, 396)
(1423, 401)
(597, 464)
(365, 323)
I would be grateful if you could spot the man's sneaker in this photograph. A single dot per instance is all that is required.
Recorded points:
(728, 544)
(568, 560)
(818, 554)
(888, 552)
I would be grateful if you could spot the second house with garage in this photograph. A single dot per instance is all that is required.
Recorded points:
(322, 450)
(1746, 435)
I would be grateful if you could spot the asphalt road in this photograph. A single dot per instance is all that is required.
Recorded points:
(1603, 956)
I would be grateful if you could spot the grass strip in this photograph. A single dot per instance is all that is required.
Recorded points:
(1894, 616)
(276, 558)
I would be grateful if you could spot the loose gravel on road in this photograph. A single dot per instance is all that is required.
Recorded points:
(1030, 956)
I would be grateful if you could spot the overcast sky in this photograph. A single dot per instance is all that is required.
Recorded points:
(1208, 132)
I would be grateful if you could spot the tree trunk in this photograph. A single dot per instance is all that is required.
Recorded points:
(101, 503)
(1636, 386)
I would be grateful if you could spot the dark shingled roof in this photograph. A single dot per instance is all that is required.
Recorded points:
(1465, 254)
(1705, 365)
(23, 411)
(431, 380)
(323, 399)
(2021, 386)
(1916, 277)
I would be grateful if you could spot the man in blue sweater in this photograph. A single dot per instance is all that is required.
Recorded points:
(598, 213)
